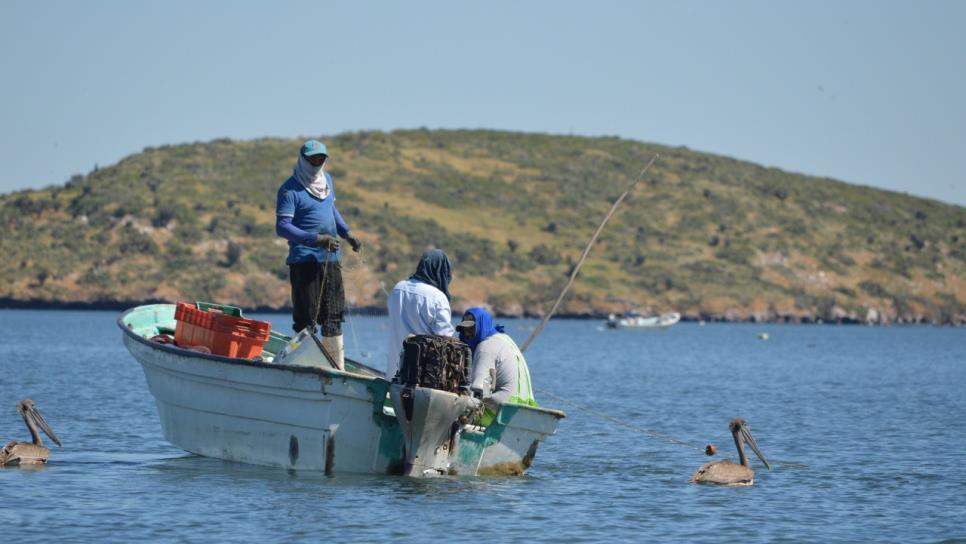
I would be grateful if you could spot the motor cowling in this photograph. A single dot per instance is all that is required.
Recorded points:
(437, 362)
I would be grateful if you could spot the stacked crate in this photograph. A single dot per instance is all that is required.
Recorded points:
(221, 329)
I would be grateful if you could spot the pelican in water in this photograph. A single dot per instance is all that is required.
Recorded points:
(29, 453)
(726, 472)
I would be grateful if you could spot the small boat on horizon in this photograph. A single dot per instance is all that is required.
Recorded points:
(633, 320)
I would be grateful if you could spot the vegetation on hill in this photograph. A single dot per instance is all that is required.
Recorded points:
(709, 236)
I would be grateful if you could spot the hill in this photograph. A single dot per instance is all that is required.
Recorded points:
(710, 236)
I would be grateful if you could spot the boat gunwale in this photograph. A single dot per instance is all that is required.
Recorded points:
(170, 348)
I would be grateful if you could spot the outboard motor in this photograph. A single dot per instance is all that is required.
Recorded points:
(430, 395)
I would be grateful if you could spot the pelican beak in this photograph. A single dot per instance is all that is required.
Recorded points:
(42, 423)
(746, 435)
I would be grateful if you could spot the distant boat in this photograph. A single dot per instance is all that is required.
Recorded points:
(634, 321)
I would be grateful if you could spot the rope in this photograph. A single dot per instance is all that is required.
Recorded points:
(362, 263)
(348, 312)
(352, 329)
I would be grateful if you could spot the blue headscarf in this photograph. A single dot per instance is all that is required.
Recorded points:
(484, 327)
(434, 269)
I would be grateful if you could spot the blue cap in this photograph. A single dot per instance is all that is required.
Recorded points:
(313, 147)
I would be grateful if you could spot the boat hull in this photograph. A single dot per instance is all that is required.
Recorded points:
(301, 418)
(291, 418)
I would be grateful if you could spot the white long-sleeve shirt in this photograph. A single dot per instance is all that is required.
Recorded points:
(415, 308)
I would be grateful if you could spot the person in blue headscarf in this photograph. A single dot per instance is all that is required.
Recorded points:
(419, 305)
(499, 374)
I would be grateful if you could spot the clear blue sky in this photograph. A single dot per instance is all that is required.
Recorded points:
(868, 92)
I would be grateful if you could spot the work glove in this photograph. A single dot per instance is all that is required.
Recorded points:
(354, 242)
(326, 242)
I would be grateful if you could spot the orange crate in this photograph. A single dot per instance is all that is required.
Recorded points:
(223, 334)
(237, 344)
(237, 336)
(193, 327)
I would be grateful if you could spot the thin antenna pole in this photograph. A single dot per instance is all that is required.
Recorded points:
(573, 275)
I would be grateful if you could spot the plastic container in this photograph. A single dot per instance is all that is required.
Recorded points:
(223, 308)
(223, 334)
(193, 327)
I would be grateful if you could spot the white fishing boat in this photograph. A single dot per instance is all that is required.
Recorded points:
(632, 320)
(299, 412)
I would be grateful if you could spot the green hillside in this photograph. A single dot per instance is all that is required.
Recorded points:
(709, 236)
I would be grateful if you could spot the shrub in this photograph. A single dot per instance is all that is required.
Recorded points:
(232, 254)
(874, 289)
(545, 255)
(133, 241)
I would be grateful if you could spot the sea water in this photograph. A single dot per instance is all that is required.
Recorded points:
(865, 429)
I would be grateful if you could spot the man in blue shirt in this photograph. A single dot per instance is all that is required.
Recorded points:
(306, 216)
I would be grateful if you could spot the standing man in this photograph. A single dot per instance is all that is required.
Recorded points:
(420, 305)
(306, 216)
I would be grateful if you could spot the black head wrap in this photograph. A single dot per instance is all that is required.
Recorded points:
(434, 269)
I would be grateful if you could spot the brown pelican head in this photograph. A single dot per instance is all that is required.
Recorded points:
(33, 417)
(741, 432)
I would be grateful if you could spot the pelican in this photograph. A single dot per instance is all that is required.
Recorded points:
(726, 472)
(29, 453)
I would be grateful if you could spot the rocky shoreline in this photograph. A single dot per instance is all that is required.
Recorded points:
(836, 316)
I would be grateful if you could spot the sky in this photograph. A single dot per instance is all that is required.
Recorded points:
(867, 92)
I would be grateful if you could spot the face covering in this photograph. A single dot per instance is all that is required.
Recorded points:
(312, 178)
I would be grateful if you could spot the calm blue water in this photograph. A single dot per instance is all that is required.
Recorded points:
(864, 426)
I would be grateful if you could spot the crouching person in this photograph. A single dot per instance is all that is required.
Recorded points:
(499, 374)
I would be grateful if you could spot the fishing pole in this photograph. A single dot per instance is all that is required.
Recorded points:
(570, 282)
(573, 275)
(709, 449)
